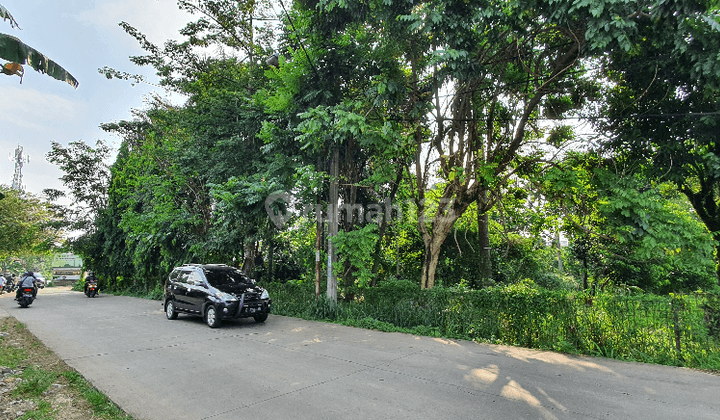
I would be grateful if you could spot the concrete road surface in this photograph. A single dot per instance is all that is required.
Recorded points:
(287, 368)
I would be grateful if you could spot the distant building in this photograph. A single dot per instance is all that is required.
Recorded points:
(66, 268)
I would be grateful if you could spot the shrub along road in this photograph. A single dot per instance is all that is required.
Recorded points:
(287, 368)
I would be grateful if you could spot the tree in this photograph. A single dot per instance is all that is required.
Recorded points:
(28, 225)
(664, 108)
(184, 185)
(339, 76)
(507, 64)
(18, 53)
(626, 229)
(86, 175)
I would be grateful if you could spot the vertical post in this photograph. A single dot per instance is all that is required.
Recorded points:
(319, 229)
(397, 258)
(252, 44)
(559, 250)
(333, 223)
(484, 239)
(676, 327)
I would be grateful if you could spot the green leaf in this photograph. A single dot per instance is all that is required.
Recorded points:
(5, 15)
(15, 51)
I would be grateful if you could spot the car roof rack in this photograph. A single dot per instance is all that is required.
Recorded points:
(222, 266)
(207, 265)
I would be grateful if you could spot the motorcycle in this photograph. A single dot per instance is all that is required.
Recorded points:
(9, 286)
(91, 290)
(26, 296)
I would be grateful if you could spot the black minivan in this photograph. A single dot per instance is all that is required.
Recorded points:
(215, 292)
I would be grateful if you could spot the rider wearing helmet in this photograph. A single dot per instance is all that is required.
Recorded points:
(90, 279)
(28, 280)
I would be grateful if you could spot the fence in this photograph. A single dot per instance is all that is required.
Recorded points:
(680, 330)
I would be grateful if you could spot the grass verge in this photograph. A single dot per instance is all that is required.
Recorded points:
(36, 384)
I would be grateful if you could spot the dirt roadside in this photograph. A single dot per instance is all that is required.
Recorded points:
(22, 355)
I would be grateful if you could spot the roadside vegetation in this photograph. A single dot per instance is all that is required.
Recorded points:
(676, 330)
(544, 174)
(38, 385)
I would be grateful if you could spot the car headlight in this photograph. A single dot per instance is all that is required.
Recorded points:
(265, 295)
(227, 297)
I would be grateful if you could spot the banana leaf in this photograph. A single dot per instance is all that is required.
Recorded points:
(5, 15)
(15, 51)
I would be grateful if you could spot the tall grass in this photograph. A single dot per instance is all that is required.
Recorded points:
(671, 330)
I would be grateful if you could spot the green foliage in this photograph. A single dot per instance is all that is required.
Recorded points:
(190, 182)
(355, 250)
(712, 313)
(28, 225)
(668, 125)
(636, 327)
(514, 258)
(627, 230)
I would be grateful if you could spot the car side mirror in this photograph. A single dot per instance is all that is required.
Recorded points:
(199, 283)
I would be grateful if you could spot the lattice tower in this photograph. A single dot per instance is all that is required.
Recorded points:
(20, 159)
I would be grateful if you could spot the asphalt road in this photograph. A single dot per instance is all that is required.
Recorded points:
(287, 368)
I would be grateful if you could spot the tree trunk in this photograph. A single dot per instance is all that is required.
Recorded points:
(705, 204)
(717, 257)
(442, 223)
(319, 233)
(271, 260)
(333, 224)
(484, 242)
(484, 239)
(319, 229)
(432, 254)
(559, 250)
(249, 257)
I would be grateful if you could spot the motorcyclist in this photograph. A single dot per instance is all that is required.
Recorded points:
(90, 279)
(27, 280)
(9, 285)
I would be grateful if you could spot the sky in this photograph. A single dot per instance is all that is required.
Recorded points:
(81, 36)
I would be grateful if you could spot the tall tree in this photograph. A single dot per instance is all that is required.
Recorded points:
(28, 225)
(626, 229)
(664, 106)
(506, 64)
(87, 177)
(474, 81)
(340, 79)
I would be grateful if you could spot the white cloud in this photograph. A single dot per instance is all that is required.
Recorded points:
(35, 111)
(159, 20)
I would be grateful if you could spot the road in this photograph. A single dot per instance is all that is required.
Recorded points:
(287, 368)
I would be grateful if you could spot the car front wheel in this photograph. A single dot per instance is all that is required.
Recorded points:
(211, 317)
(170, 311)
(260, 318)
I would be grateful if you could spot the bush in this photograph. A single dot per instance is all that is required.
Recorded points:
(638, 327)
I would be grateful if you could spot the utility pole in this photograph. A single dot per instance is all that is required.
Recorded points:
(20, 159)
(333, 223)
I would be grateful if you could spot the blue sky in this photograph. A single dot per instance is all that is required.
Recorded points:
(81, 36)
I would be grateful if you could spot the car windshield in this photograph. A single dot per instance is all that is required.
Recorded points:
(226, 277)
